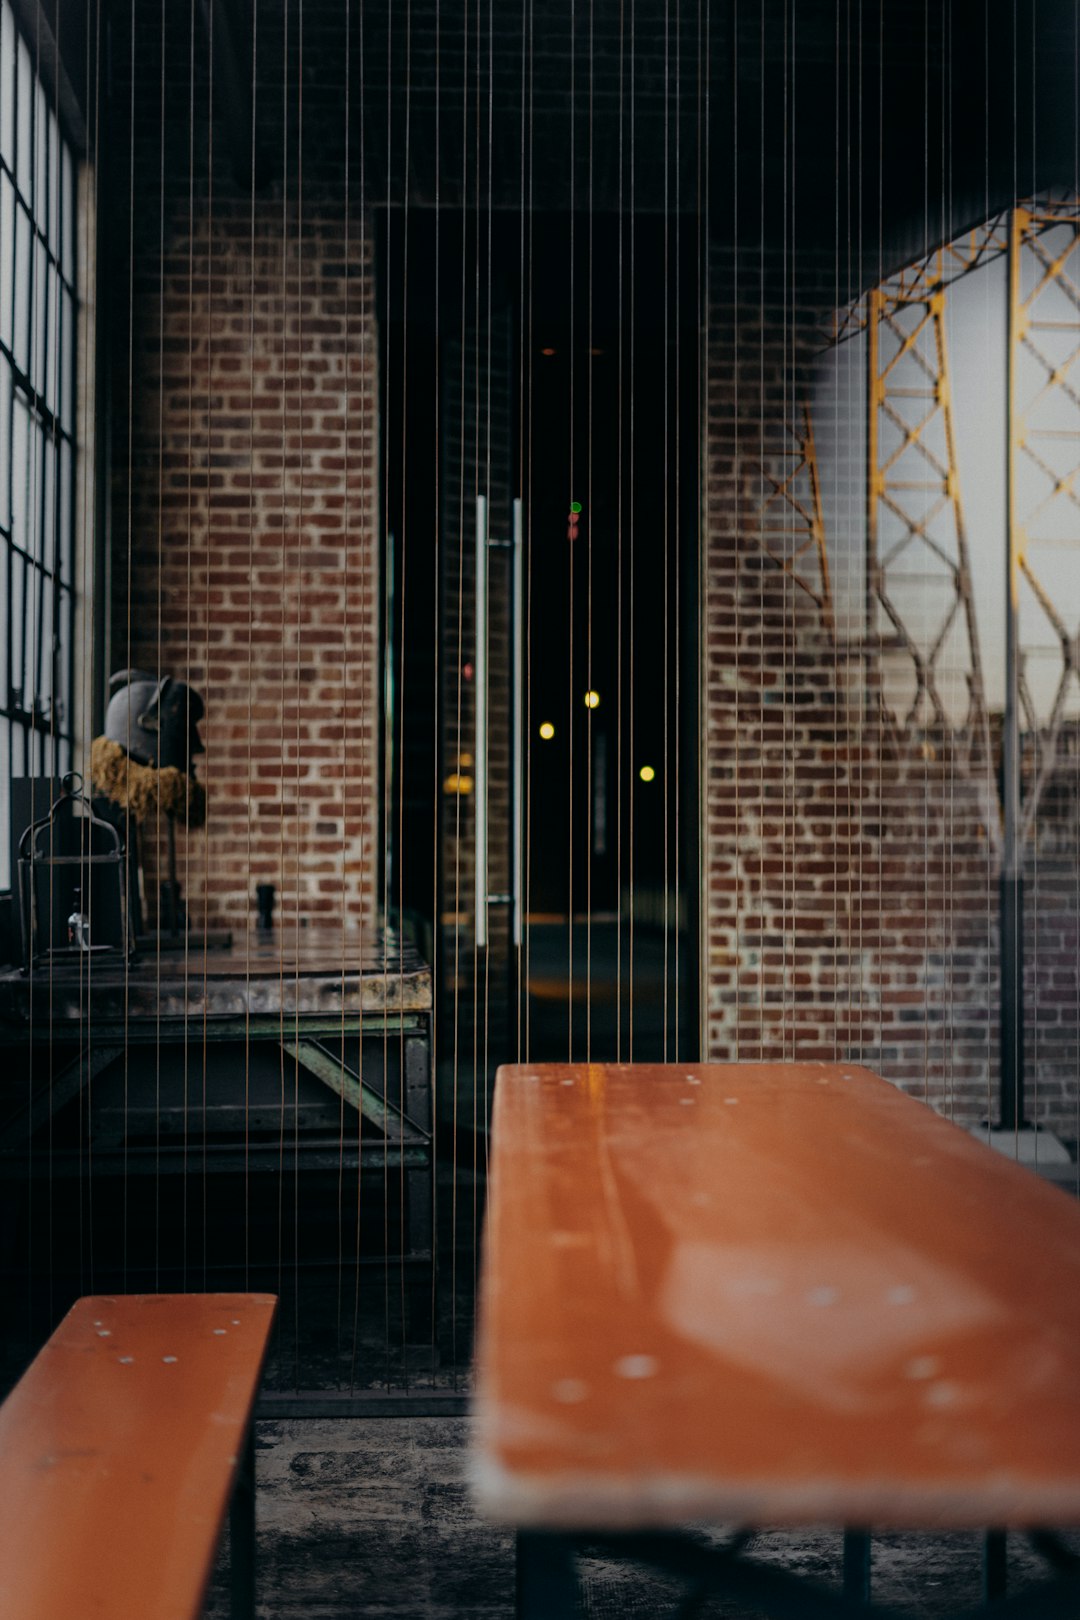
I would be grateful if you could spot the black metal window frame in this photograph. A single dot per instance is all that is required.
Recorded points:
(38, 344)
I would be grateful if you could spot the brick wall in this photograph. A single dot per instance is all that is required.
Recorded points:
(850, 900)
(245, 481)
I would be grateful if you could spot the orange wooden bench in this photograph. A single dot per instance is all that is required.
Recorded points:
(121, 1448)
(764, 1295)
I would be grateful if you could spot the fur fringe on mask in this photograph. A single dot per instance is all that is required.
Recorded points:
(143, 789)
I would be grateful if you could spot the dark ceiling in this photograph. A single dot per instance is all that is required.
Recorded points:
(877, 128)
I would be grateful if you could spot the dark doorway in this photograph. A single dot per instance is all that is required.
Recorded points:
(551, 362)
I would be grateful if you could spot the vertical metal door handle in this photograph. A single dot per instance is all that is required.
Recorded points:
(517, 746)
(481, 749)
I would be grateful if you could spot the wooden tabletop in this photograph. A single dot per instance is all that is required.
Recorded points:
(768, 1294)
(103, 1508)
(284, 970)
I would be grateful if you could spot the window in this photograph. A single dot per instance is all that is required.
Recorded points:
(37, 426)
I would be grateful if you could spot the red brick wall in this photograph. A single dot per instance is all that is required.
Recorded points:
(248, 470)
(850, 896)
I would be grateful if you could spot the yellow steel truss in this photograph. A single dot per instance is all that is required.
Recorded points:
(918, 574)
(1044, 473)
(791, 527)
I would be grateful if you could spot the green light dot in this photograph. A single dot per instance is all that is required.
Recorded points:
(575, 506)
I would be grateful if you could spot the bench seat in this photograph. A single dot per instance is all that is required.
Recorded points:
(120, 1449)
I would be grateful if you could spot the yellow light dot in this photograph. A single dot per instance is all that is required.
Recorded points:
(592, 700)
(547, 731)
(646, 773)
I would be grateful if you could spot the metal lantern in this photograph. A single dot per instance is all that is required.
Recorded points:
(73, 885)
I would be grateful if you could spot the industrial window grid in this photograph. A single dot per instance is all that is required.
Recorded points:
(37, 426)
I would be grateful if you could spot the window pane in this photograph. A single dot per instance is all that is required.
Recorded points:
(41, 666)
(5, 453)
(7, 100)
(20, 469)
(47, 519)
(39, 369)
(67, 561)
(68, 216)
(6, 878)
(24, 133)
(20, 337)
(7, 257)
(64, 671)
(18, 628)
(40, 201)
(52, 229)
(67, 362)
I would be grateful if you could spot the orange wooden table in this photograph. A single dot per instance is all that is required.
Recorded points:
(120, 1449)
(768, 1294)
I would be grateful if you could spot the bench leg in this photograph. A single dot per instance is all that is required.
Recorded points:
(547, 1587)
(995, 1570)
(857, 1566)
(242, 1535)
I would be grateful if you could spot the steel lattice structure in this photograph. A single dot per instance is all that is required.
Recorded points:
(918, 569)
(1044, 454)
(791, 527)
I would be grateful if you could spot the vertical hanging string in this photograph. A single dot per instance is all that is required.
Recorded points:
(990, 788)
(369, 517)
(436, 702)
(522, 698)
(787, 653)
(665, 524)
(188, 577)
(249, 940)
(131, 834)
(339, 1207)
(678, 559)
(401, 688)
(297, 772)
(210, 285)
(158, 648)
(459, 649)
(284, 298)
(619, 516)
(386, 540)
(705, 844)
(483, 1139)
(632, 469)
(590, 809)
(570, 561)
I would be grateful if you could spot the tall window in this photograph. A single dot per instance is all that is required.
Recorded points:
(37, 426)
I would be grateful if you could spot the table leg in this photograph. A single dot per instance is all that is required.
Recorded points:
(995, 1571)
(857, 1566)
(242, 1535)
(547, 1585)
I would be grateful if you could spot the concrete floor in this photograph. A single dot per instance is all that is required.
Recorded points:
(372, 1517)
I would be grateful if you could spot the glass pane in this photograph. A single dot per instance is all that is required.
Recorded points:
(39, 369)
(47, 522)
(67, 362)
(63, 673)
(5, 449)
(67, 560)
(7, 256)
(23, 121)
(20, 469)
(20, 336)
(5, 806)
(45, 640)
(7, 97)
(18, 627)
(41, 155)
(68, 217)
(52, 230)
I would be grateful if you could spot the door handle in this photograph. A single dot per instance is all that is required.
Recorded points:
(481, 741)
